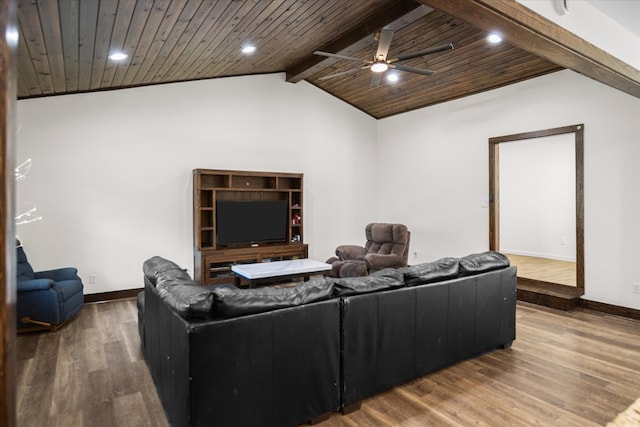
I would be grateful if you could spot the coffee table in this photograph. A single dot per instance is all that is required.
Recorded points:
(277, 270)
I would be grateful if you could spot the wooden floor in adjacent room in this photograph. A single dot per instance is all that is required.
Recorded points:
(577, 368)
(545, 269)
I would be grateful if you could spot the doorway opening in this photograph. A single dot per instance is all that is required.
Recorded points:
(536, 215)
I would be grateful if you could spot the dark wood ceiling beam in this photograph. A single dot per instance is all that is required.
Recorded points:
(535, 34)
(394, 16)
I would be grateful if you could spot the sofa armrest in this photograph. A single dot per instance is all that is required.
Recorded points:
(34, 285)
(380, 261)
(350, 252)
(59, 274)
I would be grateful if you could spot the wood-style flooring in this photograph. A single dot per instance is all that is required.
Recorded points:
(90, 372)
(545, 269)
(578, 368)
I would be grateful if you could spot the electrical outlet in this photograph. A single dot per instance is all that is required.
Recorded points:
(92, 279)
(636, 288)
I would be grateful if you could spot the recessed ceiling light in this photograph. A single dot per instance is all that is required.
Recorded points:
(118, 56)
(248, 49)
(393, 77)
(494, 38)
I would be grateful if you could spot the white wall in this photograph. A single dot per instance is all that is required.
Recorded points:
(111, 171)
(110, 200)
(439, 155)
(590, 24)
(537, 192)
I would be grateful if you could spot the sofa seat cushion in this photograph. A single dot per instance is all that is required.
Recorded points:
(69, 288)
(482, 262)
(188, 299)
(232, 302)
(429, 272)
(387, 278)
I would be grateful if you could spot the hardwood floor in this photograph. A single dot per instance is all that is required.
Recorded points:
(545, 269)
(578, 368)
(89, 373)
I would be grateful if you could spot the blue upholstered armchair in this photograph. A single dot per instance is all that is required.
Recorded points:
(46, 299)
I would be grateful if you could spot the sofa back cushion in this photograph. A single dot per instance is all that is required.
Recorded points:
(386, 278)
(482, 262)
(387, 239)
(188, 299)
(232, 302)
(160, 270)
(429, 272)
(24, 270)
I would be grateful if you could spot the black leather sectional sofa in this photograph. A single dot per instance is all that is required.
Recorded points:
(283, 356)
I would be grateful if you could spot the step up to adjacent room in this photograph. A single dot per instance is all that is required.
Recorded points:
(552, 295)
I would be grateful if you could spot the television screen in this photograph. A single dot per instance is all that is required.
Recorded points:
(251, 221)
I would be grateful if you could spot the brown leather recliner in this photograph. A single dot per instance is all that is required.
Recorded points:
(387, 246)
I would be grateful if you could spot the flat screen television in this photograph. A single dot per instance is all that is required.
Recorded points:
(242, 222)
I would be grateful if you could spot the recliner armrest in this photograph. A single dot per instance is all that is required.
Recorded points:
(332, 260)
(59, 274)
(350, 252)
(34, 285)
(380, 261)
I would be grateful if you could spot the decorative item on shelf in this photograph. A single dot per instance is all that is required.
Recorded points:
(296, 238)
(296, 219)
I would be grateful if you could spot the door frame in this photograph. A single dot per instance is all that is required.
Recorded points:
(8, 86)
(494, 187)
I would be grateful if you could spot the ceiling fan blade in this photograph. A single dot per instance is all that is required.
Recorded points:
(335, 55)
(375, 80)
(384, 42)
(429, 51)
(342, 73)
(412, 69)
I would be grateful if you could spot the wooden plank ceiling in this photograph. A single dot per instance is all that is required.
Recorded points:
(64, 47)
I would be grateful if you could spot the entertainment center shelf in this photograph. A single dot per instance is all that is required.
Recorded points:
(216, 265)
(214, 194)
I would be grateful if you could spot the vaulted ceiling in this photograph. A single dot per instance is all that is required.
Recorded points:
(64, 46)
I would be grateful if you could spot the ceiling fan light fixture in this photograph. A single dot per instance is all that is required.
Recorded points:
(379, 67)
(380, 63)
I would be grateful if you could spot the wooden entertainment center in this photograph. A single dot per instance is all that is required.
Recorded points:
(212, 262)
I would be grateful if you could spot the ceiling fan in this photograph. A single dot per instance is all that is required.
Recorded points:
(380, 63)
